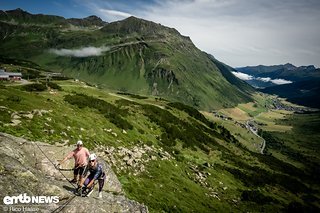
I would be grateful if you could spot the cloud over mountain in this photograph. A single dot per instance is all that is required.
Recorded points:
(246, 77)
(82, 52)
(115, 13)
(243, 76)
(280, 81)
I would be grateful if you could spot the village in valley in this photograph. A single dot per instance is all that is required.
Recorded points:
(10, 76)
(18, 75)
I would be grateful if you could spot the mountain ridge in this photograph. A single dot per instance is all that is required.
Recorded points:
(146, 58)
(21, 16)
(286, 71)
(302, 83)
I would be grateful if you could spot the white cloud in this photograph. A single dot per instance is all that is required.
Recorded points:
(115, 13)
(243, 76)
(275, 81)
(82, 52)
(281, 81)
(264, 79)
(246, 77)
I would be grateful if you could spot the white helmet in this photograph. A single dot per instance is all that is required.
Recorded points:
(92, 157)
(79, 143)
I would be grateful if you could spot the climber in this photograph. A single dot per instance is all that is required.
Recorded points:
(80, 155)
(96, 172)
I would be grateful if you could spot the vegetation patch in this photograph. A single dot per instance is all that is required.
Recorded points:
(36, 87)
(257, 197)
(174, 128)
(272, 142)
(61, 78)
(258, 177)
(14, 98)
(112, 113)
(192, 112)
(5, 117)
(53, 85)
(132, 95)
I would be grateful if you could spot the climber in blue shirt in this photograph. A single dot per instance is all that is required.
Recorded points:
(96, 172)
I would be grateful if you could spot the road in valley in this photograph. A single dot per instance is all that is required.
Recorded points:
(255, 132)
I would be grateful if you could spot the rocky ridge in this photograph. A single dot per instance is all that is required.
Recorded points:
(25, 169)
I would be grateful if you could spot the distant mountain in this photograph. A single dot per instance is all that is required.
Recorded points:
(87, 22)
(286, 71)
(306, 92)
(132, 55)
(256, 70)
(299, 85)
(19, 16)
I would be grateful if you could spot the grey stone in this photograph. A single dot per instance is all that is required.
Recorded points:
(15, 122)
(29, 115)
(29, 171)
(15, 117)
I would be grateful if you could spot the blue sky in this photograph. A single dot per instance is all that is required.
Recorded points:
(237, 32)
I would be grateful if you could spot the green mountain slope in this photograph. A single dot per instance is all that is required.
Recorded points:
(167, 155)
(226, 71)
(135, 55)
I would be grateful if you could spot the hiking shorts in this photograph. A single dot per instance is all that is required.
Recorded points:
(101, 180)
(78, 170)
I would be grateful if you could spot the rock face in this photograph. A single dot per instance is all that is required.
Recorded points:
(25, 169)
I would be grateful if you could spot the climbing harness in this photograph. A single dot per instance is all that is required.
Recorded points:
(84, 191)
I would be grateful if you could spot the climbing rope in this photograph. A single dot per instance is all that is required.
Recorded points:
(66, 169)
(60, 208)
(74, 186)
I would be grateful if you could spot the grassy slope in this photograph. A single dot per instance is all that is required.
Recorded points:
(239, 180)
(291, 138)
(302, 144)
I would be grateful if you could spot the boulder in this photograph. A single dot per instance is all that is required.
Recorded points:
(29, 115)
(16, 117)
(137, 155)
(15, 122)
